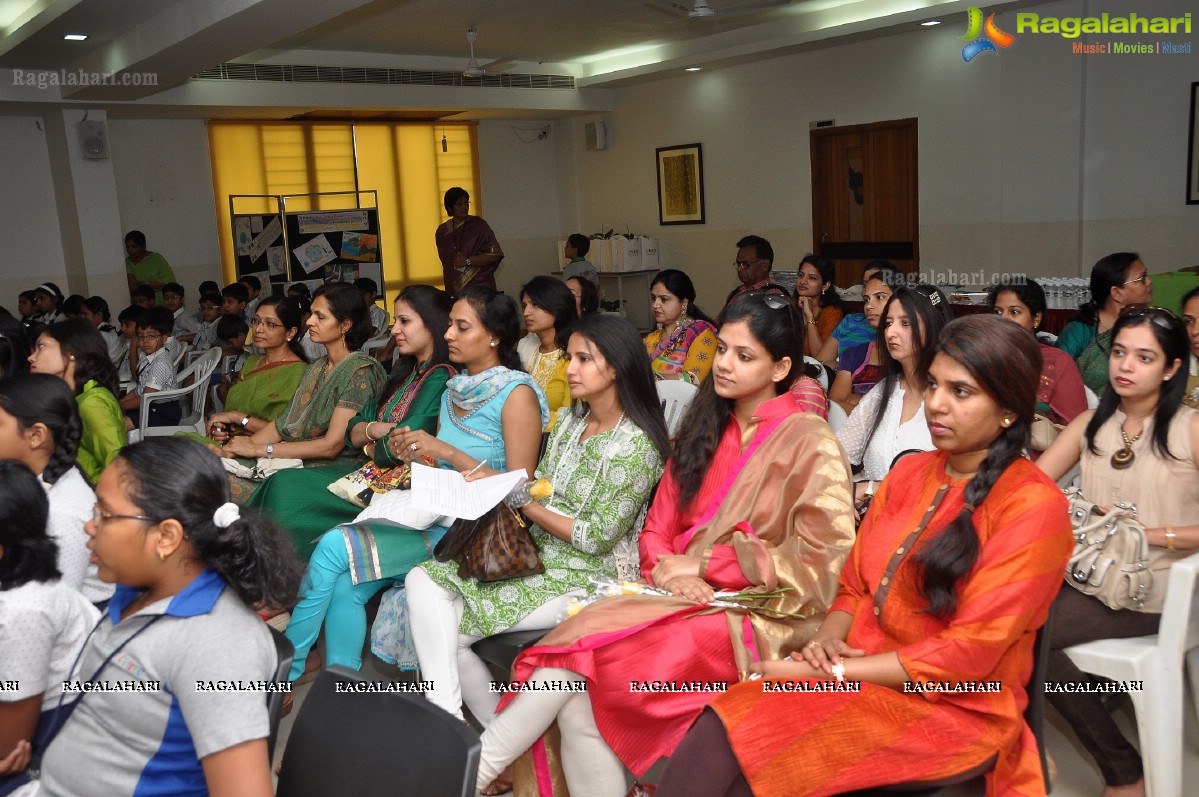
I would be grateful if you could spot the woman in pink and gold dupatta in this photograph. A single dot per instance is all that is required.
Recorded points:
(757, 497)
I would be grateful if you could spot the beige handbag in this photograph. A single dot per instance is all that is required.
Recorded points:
(1043, 433)
(1111, 555)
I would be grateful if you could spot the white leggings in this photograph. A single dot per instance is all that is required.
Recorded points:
(590, 766)
(445, 657)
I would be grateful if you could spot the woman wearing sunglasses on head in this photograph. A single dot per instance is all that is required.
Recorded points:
(1139, 447)
(756, 497)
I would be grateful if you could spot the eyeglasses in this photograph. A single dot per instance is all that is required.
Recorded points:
(264, 322)
(1138, 279)
(744, 264)
(1159, 315)
(154, 336)
(100, 517)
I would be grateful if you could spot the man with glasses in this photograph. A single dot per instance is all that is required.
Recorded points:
(755, 258)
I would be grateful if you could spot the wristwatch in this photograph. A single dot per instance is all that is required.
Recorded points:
(468, 262)
(270, 450)
(245, 422)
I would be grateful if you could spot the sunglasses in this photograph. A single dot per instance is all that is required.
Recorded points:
(1159, 315)
(744, 264)
(772, 300)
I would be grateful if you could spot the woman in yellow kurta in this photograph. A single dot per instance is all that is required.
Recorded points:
(953, 572)
(549, 310)
(684, 344)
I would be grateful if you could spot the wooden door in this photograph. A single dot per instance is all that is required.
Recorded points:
(865, 203)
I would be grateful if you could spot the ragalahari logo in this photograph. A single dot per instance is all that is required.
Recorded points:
(983, 37)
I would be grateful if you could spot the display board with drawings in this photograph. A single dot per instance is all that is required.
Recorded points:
(313, 247)
(334, 246)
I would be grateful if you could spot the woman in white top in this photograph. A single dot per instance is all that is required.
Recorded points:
(890, 418)
(43, 623)
(40, 428)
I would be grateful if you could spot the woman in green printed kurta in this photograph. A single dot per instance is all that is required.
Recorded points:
(299, 499)
(603, 459)
(331, 392)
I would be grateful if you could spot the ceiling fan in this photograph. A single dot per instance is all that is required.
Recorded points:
(473, 68)
(702, 9)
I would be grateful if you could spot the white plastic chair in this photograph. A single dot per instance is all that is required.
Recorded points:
(836, 416)
(822, 378)
(184, 348)
(374, 344)
(676, 396)
(1092, 399)
(194, 399)
(1156, 661)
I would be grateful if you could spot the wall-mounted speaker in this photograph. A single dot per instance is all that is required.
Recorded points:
(596, 135)
(93, 138)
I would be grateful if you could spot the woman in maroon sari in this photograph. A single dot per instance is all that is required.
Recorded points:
(755, 498)
(469, 252)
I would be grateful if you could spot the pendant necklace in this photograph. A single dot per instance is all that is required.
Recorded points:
(1122, 459)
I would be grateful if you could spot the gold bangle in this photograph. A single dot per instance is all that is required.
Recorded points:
(1170, 535)
(368, 432)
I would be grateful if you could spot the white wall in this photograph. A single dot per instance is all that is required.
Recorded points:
(29, 217)
(520, 198)
(1037, 160)
(164, 188)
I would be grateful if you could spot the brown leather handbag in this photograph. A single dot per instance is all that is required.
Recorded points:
(495, 546)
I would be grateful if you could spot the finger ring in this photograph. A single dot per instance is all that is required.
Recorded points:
(413, 447)
(813, 643)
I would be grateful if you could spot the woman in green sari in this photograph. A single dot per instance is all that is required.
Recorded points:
(1118, 280)
(331, 392)
(263, 387)
(299, 499)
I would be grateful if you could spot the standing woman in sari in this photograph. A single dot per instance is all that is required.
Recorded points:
(331, 392)
(549, 310)
(684, 344)
(266, 382)
(298, 499)
(1139, 447)
(492, 411)
(755, 497)
(466, 246)
(952, 575)
(1116, 280)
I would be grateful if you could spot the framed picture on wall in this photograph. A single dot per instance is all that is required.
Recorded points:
(1193, 149)
(681, 184)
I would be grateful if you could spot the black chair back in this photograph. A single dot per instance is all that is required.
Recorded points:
(375, 744)
(285, 653)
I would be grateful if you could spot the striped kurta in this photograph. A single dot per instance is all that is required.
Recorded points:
(832, 742)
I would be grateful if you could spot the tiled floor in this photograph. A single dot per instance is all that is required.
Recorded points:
(1077, 775)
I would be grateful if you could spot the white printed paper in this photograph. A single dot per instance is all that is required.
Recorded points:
(447, 492)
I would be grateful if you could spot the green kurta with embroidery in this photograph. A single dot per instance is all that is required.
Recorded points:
(299, 499)
(603, 483)
(350, 384)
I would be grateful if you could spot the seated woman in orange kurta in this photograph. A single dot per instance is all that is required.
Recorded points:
(756, 498)
(988, 537)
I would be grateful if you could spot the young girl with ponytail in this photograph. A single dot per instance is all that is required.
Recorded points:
(40, 428)
(953, 572)
(179, 631)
